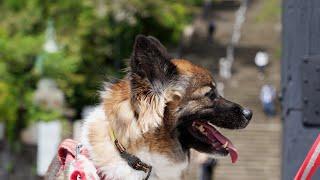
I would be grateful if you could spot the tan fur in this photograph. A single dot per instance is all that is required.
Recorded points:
(203, 76)
(143, 122)
(151, 112)
(120, 112)
(120, 109)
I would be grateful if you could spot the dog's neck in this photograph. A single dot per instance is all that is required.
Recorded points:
(130, 119)
(119, 114)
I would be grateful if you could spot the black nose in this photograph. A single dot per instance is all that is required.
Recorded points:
(247, 113)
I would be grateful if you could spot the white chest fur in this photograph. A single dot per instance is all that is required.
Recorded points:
(106, 157)
(163, 167)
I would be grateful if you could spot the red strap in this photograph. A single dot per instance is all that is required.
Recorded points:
(311, 163)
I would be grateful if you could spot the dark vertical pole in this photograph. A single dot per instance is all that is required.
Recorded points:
(300, 81)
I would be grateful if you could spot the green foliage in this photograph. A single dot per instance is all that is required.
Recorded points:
(94, 38)
(37, 113)
(271, 10)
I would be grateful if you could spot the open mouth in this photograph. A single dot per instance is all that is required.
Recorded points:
(205, 132)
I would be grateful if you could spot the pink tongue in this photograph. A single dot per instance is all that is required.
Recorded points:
(230, 148)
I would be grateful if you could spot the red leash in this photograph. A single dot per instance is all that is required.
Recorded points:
(311, 162)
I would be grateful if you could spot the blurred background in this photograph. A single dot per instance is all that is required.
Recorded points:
(55, 55)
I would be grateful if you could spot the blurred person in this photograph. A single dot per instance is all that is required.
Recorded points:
(208, 168)
(261, 60)
(211, 30)
(201, 166)
(206, 8)
(267, 97)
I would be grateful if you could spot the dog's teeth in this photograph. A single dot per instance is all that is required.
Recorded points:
(225, 145)
(201, 128)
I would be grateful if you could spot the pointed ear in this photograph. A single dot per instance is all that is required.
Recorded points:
(151, 60)
(152, 73)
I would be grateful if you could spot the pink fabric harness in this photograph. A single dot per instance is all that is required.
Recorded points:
(74, 161)
(76, 165)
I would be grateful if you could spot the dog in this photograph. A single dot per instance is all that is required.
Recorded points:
(159, 111)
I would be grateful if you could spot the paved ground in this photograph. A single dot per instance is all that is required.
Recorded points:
(259, 144)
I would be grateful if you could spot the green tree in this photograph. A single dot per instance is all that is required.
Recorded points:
(95, 38)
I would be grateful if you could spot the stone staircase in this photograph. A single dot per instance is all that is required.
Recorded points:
(259, 145)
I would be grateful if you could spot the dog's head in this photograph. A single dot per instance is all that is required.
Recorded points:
(183, 98)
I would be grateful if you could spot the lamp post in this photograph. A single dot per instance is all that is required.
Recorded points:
(50, 46)
(227, 62)
(49, 97)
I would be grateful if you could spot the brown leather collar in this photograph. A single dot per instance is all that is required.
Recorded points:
(132, 160)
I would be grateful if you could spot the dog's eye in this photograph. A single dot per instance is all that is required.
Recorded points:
(211, 94)
(201, 91)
